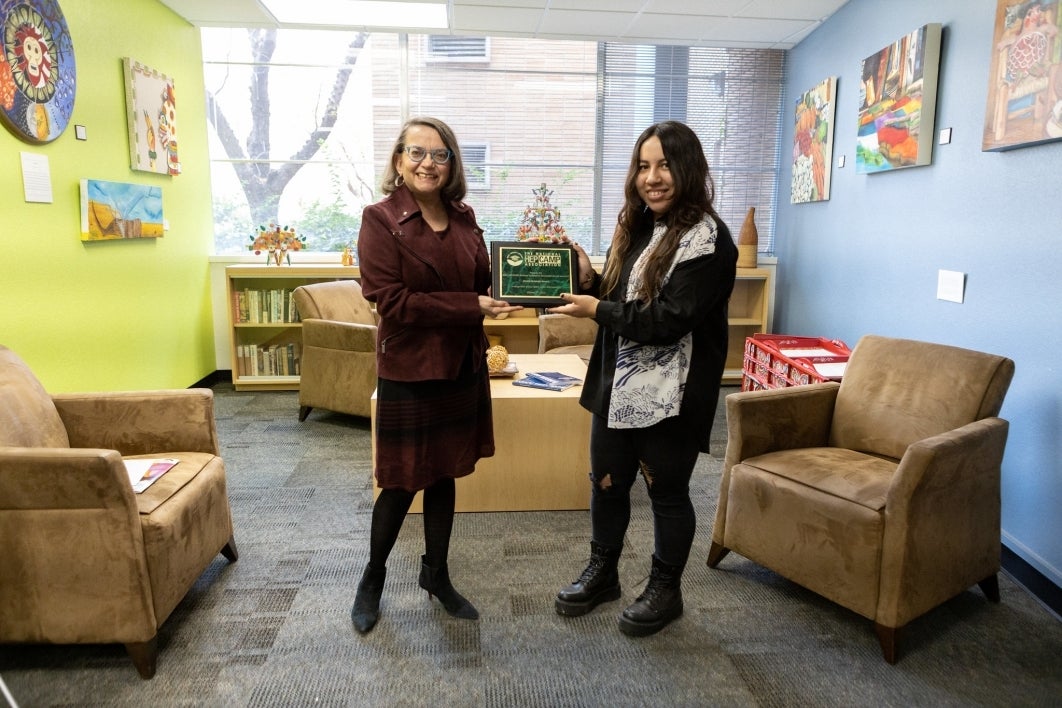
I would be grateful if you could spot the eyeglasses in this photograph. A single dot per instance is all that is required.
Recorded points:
(440, 156)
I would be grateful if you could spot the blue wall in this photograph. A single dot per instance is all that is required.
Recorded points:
(866, 261)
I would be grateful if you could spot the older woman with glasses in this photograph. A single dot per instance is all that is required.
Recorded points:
(425, 265)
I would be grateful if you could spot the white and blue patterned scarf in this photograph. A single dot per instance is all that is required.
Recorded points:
(649, 378)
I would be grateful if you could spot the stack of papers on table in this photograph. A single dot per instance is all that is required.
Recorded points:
(548, 380)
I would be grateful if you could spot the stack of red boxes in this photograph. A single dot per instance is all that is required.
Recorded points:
(782, 360)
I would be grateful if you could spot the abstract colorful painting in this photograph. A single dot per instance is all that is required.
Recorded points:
(813, 143)
(897, 103)
(1024, 105)
(151, 105)
(116, 210)
(38, 76)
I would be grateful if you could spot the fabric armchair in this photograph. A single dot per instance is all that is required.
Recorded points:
(881, 493)
(338, 348)
(86, 559)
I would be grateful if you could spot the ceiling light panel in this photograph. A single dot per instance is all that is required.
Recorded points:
(359, 13)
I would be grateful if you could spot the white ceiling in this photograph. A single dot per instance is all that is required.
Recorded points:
(772, 24)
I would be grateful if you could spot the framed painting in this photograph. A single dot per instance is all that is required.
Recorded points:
(38, 75)
(897, 103)
(152, 114)
(1024, 103)
(813, 143)
(118, 210)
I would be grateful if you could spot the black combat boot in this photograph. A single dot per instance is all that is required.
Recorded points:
(598, 583)
(660, 603)
(366, 608)
(437, 582)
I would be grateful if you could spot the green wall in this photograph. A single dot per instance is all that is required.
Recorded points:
(125, 314)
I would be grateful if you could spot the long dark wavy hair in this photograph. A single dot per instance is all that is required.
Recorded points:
(456, 187)
(694, 196)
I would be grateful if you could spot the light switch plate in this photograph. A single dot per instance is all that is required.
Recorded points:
(951, 285)
(945, 136)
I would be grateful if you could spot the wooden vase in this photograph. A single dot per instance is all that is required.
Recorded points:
(748, 241)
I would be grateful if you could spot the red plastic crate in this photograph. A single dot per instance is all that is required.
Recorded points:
(783, 360)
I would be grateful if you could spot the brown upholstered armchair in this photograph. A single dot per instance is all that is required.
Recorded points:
(881, 493)
(85, 560)
(562, 334)
(338, 348)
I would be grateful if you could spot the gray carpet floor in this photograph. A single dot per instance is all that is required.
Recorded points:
(274, 628)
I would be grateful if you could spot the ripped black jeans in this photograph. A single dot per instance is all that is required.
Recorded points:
(665, 454)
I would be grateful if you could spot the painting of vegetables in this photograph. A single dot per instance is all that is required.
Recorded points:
(897, 103)
(813, 143)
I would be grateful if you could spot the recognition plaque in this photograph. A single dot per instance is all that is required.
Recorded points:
(532, 274)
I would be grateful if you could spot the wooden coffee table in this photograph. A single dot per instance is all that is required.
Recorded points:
(542, 441)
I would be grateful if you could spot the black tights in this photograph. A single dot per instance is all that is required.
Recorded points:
(389, 512)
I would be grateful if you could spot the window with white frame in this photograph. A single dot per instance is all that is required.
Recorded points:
(310, 146)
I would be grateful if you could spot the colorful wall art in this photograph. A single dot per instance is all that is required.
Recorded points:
(897, 103)
(38, 77)
(1024, 105)
(813, 143)
(117, 210)
(152, 111)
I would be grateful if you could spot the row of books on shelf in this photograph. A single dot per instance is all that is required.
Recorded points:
(269, 359)
(263, 306)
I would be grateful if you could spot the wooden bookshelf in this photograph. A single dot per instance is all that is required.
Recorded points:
(749, 312)
(265, 334)
(272, 329)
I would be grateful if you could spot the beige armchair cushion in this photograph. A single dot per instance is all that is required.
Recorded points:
(87, 560)
(562, 334)
(881, 493)
(953, 387)
(28, 417)
(338, 348)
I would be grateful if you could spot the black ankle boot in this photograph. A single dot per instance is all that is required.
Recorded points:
(660, 603)
(598, 583)
(366, 608)
(437, 582)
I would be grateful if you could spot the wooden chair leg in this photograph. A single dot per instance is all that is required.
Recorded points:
(144, 656)
(990, 587)
(229, 550)
(716, 553)
(888, 637)
(303, 412)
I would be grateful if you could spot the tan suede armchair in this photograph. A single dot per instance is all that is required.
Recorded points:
(85, 560)
(562, 334)
(338, 348)
(881, 493)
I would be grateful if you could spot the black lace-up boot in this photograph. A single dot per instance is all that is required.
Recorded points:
(660, 603)
(366, 608)
(598, 583)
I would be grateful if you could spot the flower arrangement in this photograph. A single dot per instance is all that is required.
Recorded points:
(277, 242)
(541, 220)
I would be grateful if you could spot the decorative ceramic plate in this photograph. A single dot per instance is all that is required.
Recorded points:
(38, 76)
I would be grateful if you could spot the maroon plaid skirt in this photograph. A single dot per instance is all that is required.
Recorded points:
(428, 430)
